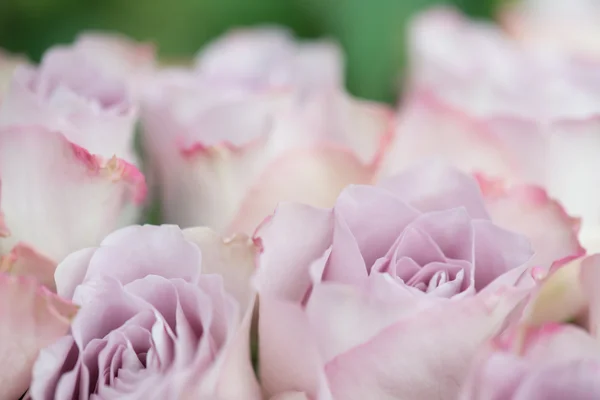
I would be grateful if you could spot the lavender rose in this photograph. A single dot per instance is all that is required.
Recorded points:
(387, 294)
(160, 318)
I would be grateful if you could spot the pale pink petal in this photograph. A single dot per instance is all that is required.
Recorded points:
(430, 128)
(237, 377)
(342, 317)
(30, 321)
(578, 380)
(233, 259)
(288, 353)
(309, 230)
(73, 198)
(68, 93)
(310, 176)
(493, 376)
(523, 369)
(529, 211)
(25, 261)
(205, 162)
(443, 338)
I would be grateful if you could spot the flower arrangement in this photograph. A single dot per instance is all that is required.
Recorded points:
(314, 245)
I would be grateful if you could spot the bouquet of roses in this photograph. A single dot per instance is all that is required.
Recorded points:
(315, 246)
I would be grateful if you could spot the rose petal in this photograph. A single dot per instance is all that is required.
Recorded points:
(435, 186)
(25, 261)
(310, 176)
(442, 355)
(29, 323)
(528, 210)
(137, 251)
(312, 232)
(74, 200)
(284, 335)
(375, 218)
(233, 259)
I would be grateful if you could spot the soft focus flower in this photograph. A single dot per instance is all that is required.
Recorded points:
(119, 57)
(67, 165)
(260, 119)
(31, 317)
(481, 102)
(571, 26)
(163, 316)
(389, 293)
(69, 93)
(542, 357)
(8, 63)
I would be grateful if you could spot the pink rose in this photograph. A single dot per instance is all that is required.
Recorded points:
(67, 162)
(481, 102)
(32, 318)
(161, 317)
(119, 57)
(542, 357)
(228, 140)
(389, 293)
(69, 93)
(56, 197)
(566, 26)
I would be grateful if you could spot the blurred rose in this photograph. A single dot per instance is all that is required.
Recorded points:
(67, 92)
(484, 104)
(542, 357)
(161, 317)
(389, 293)
(556, 25)
(67, 165)
(118, 56)
(261, 119)
(31, 317)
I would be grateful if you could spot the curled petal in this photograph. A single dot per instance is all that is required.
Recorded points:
(562, 296)
(74, 198)
(528, 210)
(25, 261)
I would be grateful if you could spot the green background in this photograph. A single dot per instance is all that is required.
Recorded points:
(371, 31)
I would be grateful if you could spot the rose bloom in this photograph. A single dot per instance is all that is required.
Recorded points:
(543, 357)
(482, 103)
(389, 293)
(119, 57)
(67, 163)
(556, 25)
(164, 314)
(261, 118)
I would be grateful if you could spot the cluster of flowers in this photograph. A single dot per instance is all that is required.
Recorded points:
(323, 247)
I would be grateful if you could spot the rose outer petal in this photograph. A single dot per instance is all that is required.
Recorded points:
(31, 319)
